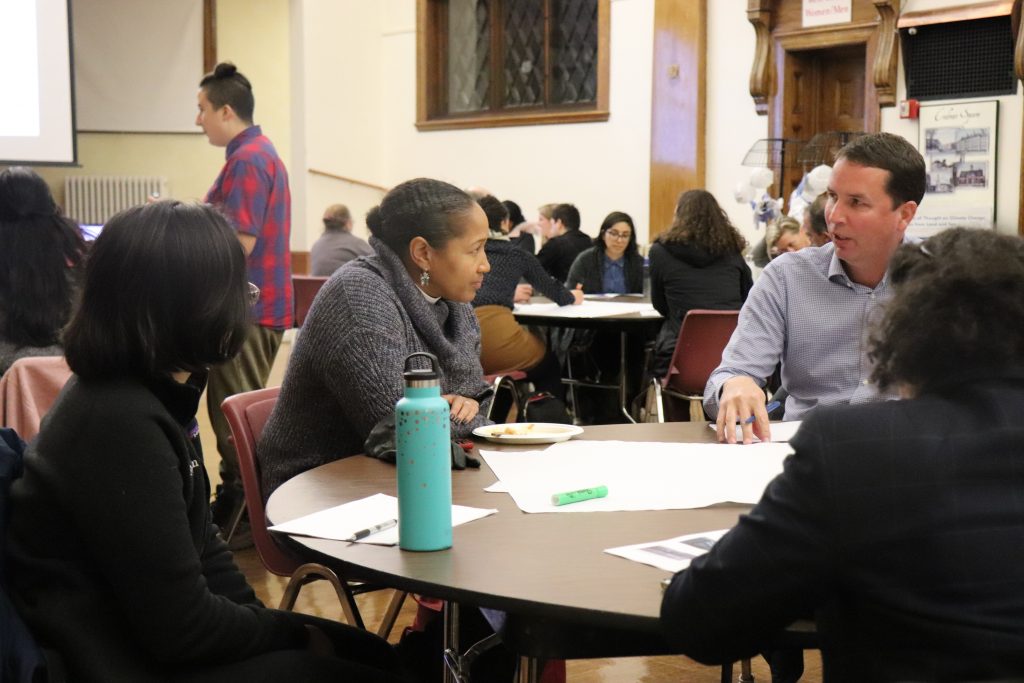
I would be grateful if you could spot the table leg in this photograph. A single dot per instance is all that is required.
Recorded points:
(451, 640)
(624, 378)
(528, 670)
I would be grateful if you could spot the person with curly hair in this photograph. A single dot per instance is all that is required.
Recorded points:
(809, 309)
(898, 524)
(41, 254)
(696, 263)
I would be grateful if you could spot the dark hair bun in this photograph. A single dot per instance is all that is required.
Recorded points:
(374, 220)
(225, 70)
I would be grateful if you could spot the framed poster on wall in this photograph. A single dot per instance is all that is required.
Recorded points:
(958, 142)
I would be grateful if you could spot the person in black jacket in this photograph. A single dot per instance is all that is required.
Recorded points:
(897, 524)
(697, 263)
(560, 251)
(114, 562)
(613, 265)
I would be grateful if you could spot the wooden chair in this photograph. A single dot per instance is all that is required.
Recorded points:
(247, 413)
(304, 289)
(702, 338)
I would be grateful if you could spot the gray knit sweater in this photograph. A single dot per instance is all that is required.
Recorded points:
(345, 372)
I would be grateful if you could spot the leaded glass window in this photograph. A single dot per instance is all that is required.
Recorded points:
(512, 61)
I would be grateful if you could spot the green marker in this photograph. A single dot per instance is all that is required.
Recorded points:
(577, 496)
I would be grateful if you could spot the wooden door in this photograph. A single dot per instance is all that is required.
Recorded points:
(823, 90)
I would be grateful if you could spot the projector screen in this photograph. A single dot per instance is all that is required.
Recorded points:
(36, 120)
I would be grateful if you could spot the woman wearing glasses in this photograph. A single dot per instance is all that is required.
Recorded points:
(613, 265)
(112, 557)
(697, 263)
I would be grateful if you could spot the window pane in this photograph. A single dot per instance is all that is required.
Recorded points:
(524, 52)
(469, 55)
(574, 51)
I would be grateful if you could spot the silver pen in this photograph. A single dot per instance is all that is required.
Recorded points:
(363, 533)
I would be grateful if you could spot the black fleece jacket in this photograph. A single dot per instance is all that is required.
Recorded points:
(113, 560)
(685, 276)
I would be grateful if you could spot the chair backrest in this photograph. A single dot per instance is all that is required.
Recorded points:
(28, 389)
(304, 288)
(247, 413)
(702, 338)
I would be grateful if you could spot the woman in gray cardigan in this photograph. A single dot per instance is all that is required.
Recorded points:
(345, 372)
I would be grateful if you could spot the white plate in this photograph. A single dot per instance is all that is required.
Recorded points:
(528, 432)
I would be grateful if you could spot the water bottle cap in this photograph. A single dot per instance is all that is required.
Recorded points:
(421, 374)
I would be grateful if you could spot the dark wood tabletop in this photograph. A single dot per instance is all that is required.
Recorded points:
(549, 565)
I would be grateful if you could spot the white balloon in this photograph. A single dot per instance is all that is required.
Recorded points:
(818, 177)
(744, 193)
(761, 178)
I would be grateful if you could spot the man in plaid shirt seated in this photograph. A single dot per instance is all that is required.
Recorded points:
(252, 189)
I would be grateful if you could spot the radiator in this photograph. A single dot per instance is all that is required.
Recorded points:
(92, 200)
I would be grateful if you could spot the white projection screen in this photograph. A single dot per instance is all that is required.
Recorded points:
(37, 123)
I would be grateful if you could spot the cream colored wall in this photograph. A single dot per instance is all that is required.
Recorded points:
(253, 34)
(366, 52)
(732, 123)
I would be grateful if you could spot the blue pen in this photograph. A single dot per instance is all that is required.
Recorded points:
(768, 408)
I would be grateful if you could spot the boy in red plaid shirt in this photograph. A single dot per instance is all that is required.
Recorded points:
(252, 190)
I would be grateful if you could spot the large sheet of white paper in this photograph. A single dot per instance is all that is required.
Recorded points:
(673, 554)
(639, 475)
(588, 309)
(343, 521)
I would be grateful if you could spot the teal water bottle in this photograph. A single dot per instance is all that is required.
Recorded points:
(423, 452)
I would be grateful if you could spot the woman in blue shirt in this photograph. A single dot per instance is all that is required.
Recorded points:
(613, 265)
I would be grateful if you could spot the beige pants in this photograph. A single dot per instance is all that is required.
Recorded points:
(505, 345)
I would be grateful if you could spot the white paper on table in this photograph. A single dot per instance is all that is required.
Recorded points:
(343, 521)
(639, 475)
(673, 554)
(588, 309)
(497, 487)
(781, 431)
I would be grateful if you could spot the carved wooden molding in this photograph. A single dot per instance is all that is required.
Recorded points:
(884, 75)
(759, 14)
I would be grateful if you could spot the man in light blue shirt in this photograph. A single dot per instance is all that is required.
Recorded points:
(812, 309)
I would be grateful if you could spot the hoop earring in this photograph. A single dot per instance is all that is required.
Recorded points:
(424, 278)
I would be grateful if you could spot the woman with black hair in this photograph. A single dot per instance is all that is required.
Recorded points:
(40, 257)
(345, 372)
(113, 559)
(613, 265)
(697, 263)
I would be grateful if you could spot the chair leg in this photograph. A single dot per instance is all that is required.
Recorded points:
(391, 615)
(746, 675)
(659, 401)
(237, 515)
(312, 571)
(696, 410)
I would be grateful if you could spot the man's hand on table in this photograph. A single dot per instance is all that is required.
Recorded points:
(740, 399)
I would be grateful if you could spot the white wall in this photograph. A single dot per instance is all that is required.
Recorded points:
(732, 123)
(357, 118)
(360, 112)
